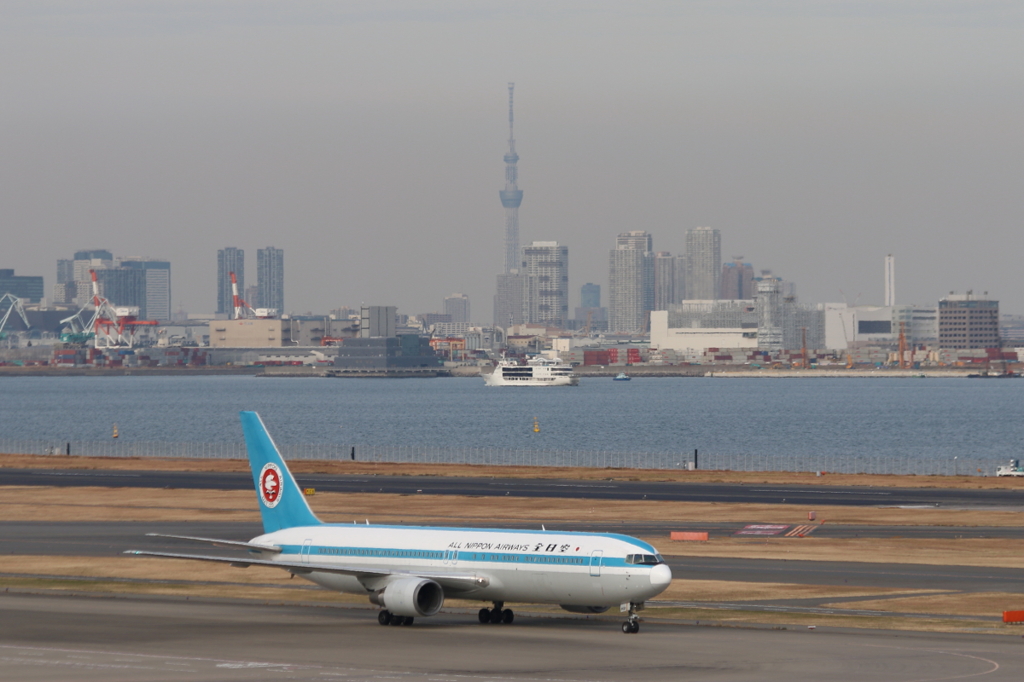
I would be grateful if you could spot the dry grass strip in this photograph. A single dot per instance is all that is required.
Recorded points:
(590, 474)
(967, 604)
(45, 503)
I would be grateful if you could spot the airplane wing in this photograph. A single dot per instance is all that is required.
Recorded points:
(218, 542)
(456, 581)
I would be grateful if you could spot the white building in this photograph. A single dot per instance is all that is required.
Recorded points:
(703, 263)
(698, 325)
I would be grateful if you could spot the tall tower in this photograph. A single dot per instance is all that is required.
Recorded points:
(630, 282)
(511, 196)
(890, 281)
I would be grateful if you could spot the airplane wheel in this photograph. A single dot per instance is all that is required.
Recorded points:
(384, 617)
(627, 628)
(507, 616)
(407, 621)
(635, 627)
(397, 620)
(496, 616)
(484, 615)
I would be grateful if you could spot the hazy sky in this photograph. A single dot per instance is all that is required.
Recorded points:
(366, 140)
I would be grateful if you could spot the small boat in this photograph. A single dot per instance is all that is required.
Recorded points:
(621, 376)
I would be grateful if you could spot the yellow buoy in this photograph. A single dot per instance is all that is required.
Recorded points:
(115, 430)
(536, 426)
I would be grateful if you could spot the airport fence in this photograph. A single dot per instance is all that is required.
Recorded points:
(877, 463)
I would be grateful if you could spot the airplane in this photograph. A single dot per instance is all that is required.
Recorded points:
(409, 570)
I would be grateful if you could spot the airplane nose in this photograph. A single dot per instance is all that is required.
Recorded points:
(661, 576)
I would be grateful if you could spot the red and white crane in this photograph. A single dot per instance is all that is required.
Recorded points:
(111, 326)
(242, 309)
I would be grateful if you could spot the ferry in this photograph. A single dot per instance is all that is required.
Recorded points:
(538, 371)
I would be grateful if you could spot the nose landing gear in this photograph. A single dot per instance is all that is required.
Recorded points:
(632, 624)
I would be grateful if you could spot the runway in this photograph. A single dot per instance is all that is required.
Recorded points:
(814, 495)
(73, 538)
(91, 639)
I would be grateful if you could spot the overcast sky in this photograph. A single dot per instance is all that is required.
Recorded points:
(366, 140)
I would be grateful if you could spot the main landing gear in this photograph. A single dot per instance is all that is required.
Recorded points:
(496, 615)
(387, 618)
(632, 625)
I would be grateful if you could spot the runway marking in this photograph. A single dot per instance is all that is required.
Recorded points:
(762, 529)
(800, 531)
(995, 666)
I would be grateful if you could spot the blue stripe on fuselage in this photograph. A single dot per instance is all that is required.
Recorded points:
(503, 558)
(548, 533)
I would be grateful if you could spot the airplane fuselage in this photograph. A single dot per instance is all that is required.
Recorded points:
(588, 569)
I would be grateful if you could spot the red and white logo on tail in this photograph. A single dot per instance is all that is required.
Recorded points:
(270, 485)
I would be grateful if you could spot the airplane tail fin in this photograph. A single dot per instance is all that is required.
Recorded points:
(282, 503)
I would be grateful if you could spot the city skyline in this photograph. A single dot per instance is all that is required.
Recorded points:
(817, 139)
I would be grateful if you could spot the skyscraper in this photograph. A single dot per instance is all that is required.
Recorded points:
(664, 280)
(508, 299)
(590, 295)
(630, 282)
(457, 305)
(229, 259)
(156, 299)
(546, 277)
(703, 263)
(270, 278)
(737, 281)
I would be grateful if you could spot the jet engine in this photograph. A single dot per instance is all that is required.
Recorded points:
(411, 597)
(576, 608)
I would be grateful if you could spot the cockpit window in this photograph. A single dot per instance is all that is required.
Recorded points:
(644, 559)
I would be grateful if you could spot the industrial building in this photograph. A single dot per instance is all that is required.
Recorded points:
(696, 325)
(408, 352)
(968, 321)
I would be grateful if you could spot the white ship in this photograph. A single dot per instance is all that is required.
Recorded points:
(538, 371)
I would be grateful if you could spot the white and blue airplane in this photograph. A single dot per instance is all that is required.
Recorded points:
(410, 570)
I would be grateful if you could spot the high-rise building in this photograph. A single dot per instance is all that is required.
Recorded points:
(457, 305)
(508, 297)
(123, 287)
(590, 295)
(508, 301)
(967, 321)
(546, 291)
(65, 270)
(270, 278)
(156, 302)
(737, 281)
(664, 280)
(27, 287)
(229, 259)
(703, 263)
(630, 282)
(890, 281)
(680, 278)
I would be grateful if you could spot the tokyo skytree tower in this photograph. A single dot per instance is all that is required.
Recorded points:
(511, 196)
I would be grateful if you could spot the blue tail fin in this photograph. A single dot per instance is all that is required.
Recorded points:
(282, 503)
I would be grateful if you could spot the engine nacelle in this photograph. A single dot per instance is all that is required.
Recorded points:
(576, 608)
(411, 597)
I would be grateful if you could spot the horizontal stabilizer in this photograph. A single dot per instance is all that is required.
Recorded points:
(220, 543)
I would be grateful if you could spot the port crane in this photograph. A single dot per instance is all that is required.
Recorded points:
(13, 306)
(108, 326)
(242, 309)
